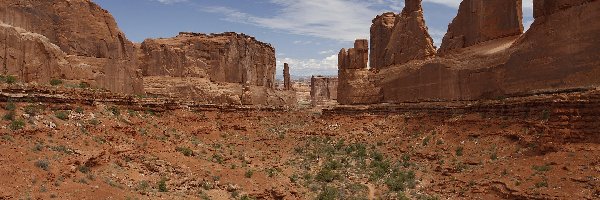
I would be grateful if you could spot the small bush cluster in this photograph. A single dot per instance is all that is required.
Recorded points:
(43, 164)
(55, 82)
(185, 151)
(8, 79)
(63, 115)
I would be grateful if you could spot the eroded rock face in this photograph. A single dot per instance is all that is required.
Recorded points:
(557, 52)
(84, 32)
(36, 57)
(381, 32)
(354, 85)
(323, 88)
(287, 79)
(227, 57)
(483, 20)
(560, 50)
(355, 58)
(403, 40)
(549, 7)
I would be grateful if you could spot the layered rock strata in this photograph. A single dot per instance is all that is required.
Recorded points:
(227, 57)
(57, 44)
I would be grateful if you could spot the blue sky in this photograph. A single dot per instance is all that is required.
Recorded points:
(305, 33)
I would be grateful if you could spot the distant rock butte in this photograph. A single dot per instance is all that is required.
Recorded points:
(492, 59)
(483, 20)
(287, 79)
(323, 88)
(75, 40)
(227, 57)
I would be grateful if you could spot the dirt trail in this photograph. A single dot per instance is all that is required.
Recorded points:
(371, 191)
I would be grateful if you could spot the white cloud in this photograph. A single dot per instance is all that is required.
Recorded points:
(343, 20)
(327, 52)
(306, 67)
(170, 1)
(450, 3)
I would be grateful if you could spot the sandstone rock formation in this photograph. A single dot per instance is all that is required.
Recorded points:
(355, 58)
(381, 32)
(409, 39)
(560, 50)
(549, 7)
(227, 68)
(354, 85)
(557, 53)
(323, 88)
(227, 57)
(287, 80)
(80, 29)
(483, 20)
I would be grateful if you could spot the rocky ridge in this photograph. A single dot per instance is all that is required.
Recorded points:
(541, 59)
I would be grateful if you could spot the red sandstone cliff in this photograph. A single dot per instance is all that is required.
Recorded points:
(397, 39)
(354, 86)
(381, 32)
(227, 57)
(67, 39)
(558, 52)
(483, 20)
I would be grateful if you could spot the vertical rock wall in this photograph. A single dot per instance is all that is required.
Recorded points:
(354, 86)
(227, 57)
(86, 33)
(483, 20)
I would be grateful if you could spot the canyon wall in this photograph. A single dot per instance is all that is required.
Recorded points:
(75, 39)
(558, 52)
(227, 57)
(483, 20)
